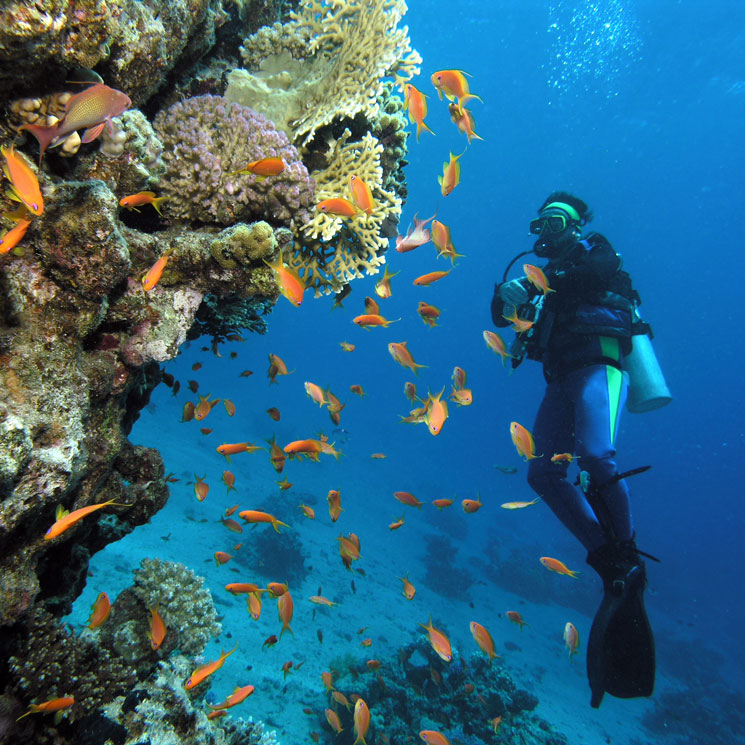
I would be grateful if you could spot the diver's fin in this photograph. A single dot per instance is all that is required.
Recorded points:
(620, 648)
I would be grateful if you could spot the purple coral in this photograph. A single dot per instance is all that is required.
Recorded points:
(206, 138)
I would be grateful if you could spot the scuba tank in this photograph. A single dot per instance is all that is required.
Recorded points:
(647, 387)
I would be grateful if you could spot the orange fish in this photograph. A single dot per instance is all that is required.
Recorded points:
(156, 271)
(11, 238)
(369, 320)
(333, 719)
(427, 279)
(228, 479)
(203, 672)
(408, 589)
(328, 680)
(232, 448)
(205, 430)
(462, 396)
(396, 524)
(246, 373)
(410, 391)
(522, 439)
(443, 241)
(277, 367)
(203, 408)
(366, 642)
(361, 721)
(407, 498)
(157, 632)
(101, 610)
(276, 456)
(519, 325)
(133, 201)
(334, 502)
(356, 388)
(262, 168)
(463, 119)
(200, 488)
(55, 704)
(496, 344)
(519, 505)
(338, 206)
(285, 608)
(309, 512)
(383, 286)
(270, 641)
(453, 84)
(288, 280)
(238, 695)
(428, 313)
(232, 525)
(253, 601)
(24, 186)
(238, 588)
(441, 504)
(217, 714)
(285, 484)
(515, 617)
(433, 737)
(563, 458)
(371, 306)
(450, 175)
(373, 664)
(472, 505)
(309, 448)
(274, 413)
(439, 641)
(415, 237)
(231, 510)
(346, 346)
(494, 723)
(90, 110)
(67, 519)
(229, 406)
(437, 413)
(416, 103)
(286, 669)
(538, 278)
(557, 566)
(222, 558)
(361, 194)
(315, 393)
(483, 639)
(378, 456)
(320, 600)
(255, 516)
(188, 413)
(401, 354)
(571, 639)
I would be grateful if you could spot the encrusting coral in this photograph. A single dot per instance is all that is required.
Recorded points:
(207, 139)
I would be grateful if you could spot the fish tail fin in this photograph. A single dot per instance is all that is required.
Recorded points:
(44, 136)
(157, 202)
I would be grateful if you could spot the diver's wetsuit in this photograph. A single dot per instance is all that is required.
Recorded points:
(581, 334)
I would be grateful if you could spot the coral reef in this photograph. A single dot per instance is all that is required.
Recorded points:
(276, 557)
(50, 661)
(207, 139)
(332, 250)
(443, 575)
(327, 62)
(418, 691)
(185, 604)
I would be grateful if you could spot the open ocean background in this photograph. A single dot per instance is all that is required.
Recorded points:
(638, 108)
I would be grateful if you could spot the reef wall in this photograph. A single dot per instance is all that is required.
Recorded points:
(85, 323)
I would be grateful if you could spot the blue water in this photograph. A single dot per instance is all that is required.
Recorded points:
(638, 108)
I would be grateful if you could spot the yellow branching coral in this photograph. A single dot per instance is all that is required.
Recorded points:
(330, 251)
(353, 45)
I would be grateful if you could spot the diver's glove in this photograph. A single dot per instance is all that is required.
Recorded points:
(513, 293)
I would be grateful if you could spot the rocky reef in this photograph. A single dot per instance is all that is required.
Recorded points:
(82, 339)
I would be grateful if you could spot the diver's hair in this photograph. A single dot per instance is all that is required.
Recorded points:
(583, 210)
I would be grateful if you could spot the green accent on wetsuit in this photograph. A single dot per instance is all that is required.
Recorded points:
(611, 348)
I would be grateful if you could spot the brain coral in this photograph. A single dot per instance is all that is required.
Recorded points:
(205, 139)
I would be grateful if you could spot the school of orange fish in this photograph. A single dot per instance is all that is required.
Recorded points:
(92, 110)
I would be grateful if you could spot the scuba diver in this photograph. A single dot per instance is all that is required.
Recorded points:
(585, 328)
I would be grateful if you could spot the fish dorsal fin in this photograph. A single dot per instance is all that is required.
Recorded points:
(61, 512)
